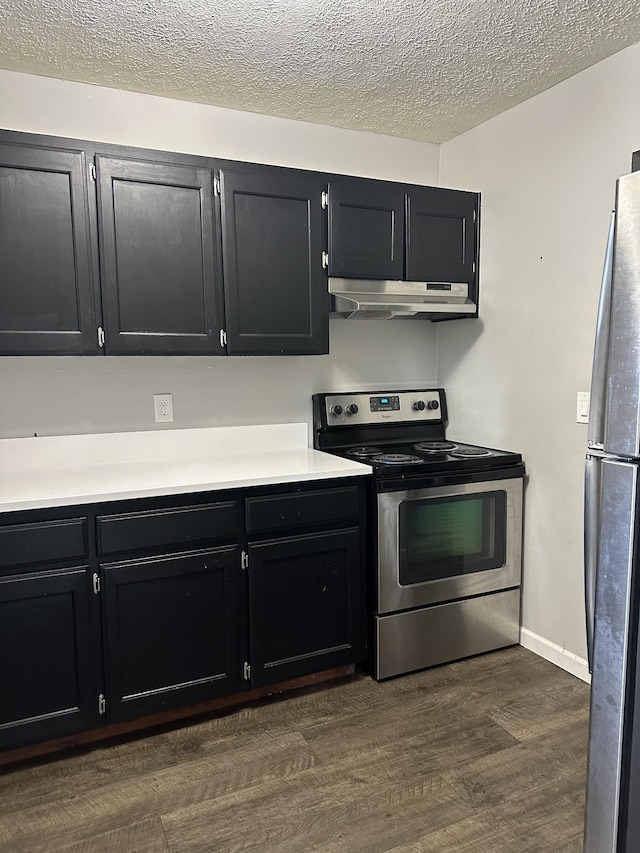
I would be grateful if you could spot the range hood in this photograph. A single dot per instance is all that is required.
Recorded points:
(372, 299)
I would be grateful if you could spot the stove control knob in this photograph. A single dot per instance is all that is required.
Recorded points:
(418, 406)
(433, 405)
(351, 409)
(336, 410)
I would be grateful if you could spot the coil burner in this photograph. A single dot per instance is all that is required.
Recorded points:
(396, 458)
(434, 446)
(364, 452)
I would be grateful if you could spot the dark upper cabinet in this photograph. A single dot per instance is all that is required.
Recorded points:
(366, 229)
(173, 635)
(441, 235)
(158, 272)
(49, 656)
(124, 251)
(46, 281)
(272, 241)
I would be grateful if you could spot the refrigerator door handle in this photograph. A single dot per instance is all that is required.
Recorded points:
(592, 478)
(607, 776)
(597, 407)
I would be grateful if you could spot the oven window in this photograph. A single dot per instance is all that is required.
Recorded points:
(450, 536)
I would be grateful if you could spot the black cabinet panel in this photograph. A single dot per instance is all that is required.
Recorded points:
(157, 258)
(306, 605)
(366, 229)
(152, 633)
(275, 290)
(49, 660)
(45, 260)
(171, 527)
(441, 234)
(173, 631)
(300, 509)
(43, 542)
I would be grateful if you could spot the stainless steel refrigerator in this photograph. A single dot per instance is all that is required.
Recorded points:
(612, 553)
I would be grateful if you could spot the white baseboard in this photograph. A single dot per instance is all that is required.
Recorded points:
(563, 658)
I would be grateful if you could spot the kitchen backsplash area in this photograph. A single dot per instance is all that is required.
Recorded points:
(73, 395)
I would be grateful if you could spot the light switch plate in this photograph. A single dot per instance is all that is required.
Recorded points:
(582, 408)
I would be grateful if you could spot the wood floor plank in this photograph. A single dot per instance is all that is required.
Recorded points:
(60, 779)
(281, 714)
(514, 668)
(444, 743)
(495, 778)
(546, 820)
(341, 815)
(144, 837)
(531, 715)
(145, 795)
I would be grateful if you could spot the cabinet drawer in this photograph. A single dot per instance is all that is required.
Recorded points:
(283, 512)
(43, 542)
(177, 526)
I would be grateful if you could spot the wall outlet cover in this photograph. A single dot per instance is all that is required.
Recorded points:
(163, 407)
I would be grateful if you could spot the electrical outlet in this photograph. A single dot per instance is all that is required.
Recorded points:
(582, 409)
(163, 407)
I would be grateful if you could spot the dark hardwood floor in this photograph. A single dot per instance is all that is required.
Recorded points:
(486, 755)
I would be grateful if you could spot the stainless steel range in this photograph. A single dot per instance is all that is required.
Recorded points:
(447, 537)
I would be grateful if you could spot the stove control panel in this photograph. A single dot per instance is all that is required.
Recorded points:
(358, 409)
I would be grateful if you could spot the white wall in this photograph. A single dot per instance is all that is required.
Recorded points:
(547, 171)
(68, 395)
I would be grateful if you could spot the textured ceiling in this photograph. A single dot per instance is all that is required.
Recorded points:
(421, 69)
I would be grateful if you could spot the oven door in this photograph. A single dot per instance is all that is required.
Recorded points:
(448, 542)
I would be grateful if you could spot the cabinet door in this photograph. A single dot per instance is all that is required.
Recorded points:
(173, 631)
(157, 258)
(49, 656)
(276, 297)
(46, 301)
(366, 229)
(441, 234)
(306, 609)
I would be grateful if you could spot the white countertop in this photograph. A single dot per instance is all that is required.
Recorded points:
(52, 471)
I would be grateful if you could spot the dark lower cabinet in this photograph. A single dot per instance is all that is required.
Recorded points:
(276, 299)
(261, 585)
(306, 609)
(173, 631)
(49, 656)
(46, 275)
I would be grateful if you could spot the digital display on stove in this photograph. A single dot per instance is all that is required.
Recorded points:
(384, 404)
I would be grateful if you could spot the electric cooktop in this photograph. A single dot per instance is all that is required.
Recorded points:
(398, 433)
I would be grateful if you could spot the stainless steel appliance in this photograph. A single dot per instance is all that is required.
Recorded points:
(447, 531)
(612, 513)
(368, 299)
